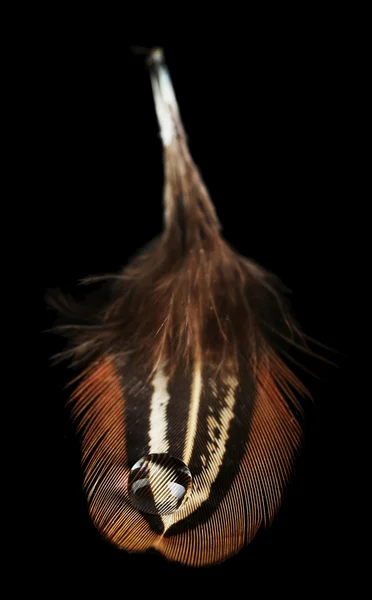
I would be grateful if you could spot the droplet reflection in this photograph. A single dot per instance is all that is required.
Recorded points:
(158, 484)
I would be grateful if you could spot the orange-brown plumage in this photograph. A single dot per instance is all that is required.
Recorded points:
(209, 327)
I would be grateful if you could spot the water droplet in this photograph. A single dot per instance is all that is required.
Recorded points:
(159, 484)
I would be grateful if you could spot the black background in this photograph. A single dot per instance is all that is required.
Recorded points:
(271, 125)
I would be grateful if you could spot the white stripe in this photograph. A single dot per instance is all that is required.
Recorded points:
(216, 452)
(158, 413)
(193, 413)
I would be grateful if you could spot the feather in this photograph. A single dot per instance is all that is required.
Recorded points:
(187, 411)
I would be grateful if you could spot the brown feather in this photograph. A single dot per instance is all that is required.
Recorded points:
(212, 319)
